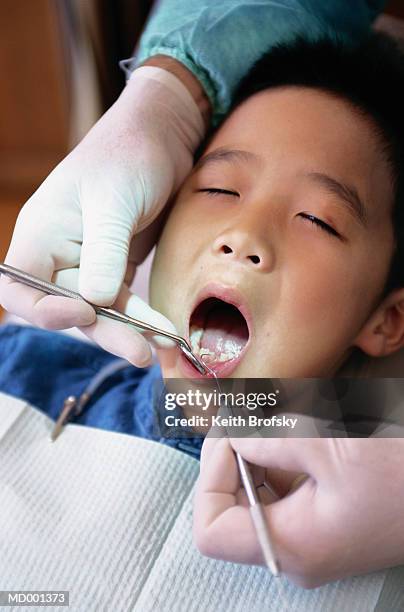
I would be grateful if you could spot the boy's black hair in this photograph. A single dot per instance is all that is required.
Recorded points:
(370, 75)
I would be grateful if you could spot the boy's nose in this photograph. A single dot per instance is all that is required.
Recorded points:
(238, 245)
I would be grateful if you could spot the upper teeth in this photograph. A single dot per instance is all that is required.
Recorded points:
(231, 349)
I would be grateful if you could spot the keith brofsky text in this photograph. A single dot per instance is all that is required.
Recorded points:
(230, 421)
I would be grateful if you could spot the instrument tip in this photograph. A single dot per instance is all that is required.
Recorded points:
(199, 365)
(273, 567)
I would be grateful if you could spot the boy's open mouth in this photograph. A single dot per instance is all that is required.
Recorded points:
(218, 333)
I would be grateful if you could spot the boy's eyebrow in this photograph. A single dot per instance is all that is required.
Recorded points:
(228, 155)
(345, 192)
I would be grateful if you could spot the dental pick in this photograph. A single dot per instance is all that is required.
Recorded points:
(53, 289)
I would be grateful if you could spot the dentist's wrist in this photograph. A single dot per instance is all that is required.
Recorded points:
(188, 79)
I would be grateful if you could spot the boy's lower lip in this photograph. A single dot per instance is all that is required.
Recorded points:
(221, 369)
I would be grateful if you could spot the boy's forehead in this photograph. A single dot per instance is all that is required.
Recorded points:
(294, 112)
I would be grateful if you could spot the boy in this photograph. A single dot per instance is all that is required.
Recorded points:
(296, 206)
(283, 247)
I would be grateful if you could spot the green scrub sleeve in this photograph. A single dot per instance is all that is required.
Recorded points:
(220, 41)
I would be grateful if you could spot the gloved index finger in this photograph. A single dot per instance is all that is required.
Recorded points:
(37, 307)
(109, 221)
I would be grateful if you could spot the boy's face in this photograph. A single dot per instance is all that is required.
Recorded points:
(306, 292)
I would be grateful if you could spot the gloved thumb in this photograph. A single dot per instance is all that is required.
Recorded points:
(135, 307)
(109, 221)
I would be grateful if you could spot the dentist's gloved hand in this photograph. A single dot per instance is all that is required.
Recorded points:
(77, 229)
(345, 519)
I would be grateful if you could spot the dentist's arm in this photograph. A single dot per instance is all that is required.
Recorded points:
(77, 228)
(345, 519)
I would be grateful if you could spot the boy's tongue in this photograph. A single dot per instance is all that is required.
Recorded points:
(218, 331)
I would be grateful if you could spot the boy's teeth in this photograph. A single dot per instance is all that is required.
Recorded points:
(209, 357)
(195, 337)
(231, 349)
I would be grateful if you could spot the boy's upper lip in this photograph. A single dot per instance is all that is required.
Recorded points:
(227, 294)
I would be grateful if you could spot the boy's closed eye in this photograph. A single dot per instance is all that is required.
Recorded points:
(319, 223)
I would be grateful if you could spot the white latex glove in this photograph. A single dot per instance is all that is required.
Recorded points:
(77, 227)
(345, 519)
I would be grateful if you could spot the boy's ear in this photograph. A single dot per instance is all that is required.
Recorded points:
(383, 332)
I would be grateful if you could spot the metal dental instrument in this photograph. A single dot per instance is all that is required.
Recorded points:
(258, 516)
(53, 289)
(256, 509)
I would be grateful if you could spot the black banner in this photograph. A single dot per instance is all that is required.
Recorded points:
(309, 407)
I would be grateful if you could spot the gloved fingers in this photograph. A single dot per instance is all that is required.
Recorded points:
(33, 305)
(222, 522)
(117, 339)
(49, 312)
(68, 278)
(120, 340)
(109, 220)
(302, 455)
(46, 236)
(135, 307)
(284, 481)
(281, 481)
(208, 447)
(52, 312)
